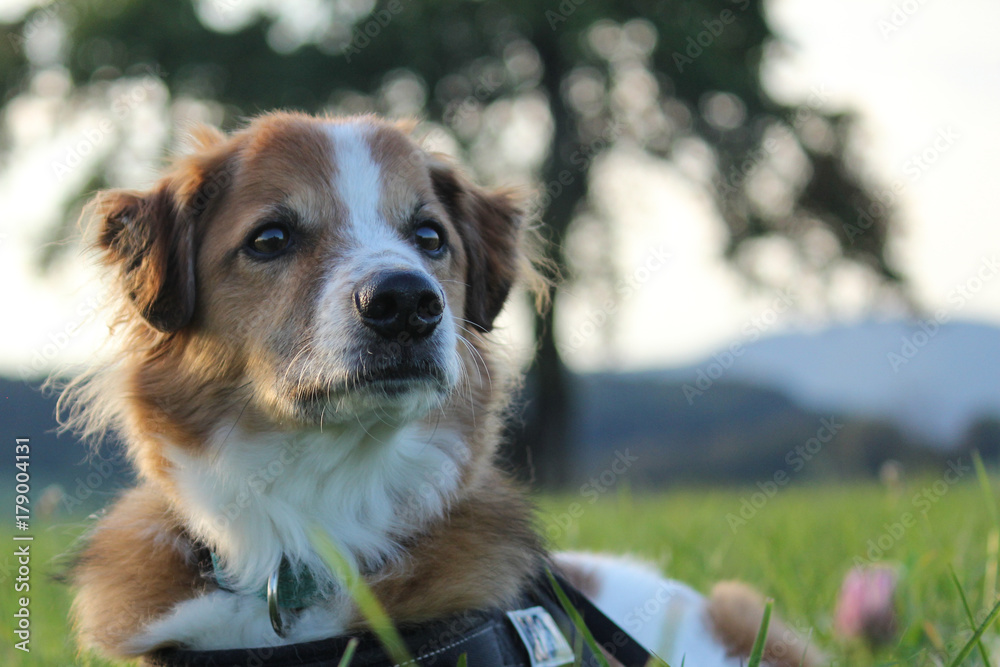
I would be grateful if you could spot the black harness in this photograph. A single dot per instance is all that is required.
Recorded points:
(486, 638)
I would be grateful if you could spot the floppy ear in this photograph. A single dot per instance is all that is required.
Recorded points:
(490, 226)
(149, 237)
(143, 236)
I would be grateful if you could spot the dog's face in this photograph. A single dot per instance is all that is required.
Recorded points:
(323, 271)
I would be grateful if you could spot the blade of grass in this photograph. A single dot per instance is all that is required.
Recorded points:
(578, 650)
(968, 612)
(992, 565)
(757, 652)
(984, 484)
(805, 649)
(584, 631)
(463, 660)
(362, 595)
(345, 660)
(967, 649)
(933, 636)
(577, 619)
(993, 539)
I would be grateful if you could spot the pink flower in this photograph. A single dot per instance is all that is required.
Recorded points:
(866, 607)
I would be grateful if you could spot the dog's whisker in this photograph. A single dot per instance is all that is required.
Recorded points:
(233, 427)
(478, 359)
(366, 431)
(303, 349)
(475, 327)
(472, 353)
(466, 382)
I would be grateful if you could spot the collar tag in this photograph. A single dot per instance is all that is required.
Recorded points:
(541, 636)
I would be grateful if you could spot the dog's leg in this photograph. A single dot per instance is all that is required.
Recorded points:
(736, 611)
(678, 623)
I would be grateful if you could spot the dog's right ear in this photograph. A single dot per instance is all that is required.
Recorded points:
(149, 237)
(151, 246)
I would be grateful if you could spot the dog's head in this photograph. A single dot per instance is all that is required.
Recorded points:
(321, 270)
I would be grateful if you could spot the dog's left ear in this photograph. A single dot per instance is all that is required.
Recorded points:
(489, 223)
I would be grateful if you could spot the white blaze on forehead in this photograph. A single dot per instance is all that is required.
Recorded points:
(358, 184)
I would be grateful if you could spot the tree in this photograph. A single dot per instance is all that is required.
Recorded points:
(983, 436)
(658, 74)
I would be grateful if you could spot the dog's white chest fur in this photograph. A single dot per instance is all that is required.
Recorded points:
(255, 499)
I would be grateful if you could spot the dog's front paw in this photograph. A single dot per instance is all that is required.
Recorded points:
(216, 620)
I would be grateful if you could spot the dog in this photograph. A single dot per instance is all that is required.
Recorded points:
(303, 343)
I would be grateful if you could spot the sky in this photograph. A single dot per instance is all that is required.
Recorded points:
(924, 77)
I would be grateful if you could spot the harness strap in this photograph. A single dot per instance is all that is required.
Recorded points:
(486, 638)
(608, 634)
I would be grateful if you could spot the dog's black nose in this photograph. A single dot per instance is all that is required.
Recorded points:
(397, 302)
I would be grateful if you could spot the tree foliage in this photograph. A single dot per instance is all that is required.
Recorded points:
(659, 75)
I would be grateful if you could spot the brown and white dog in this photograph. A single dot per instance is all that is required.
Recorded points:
(305, 308)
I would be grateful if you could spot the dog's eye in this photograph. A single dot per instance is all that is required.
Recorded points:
(429, 238)
(269, 241)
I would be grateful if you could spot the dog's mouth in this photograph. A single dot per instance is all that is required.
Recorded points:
(399, 377)
(385, 379)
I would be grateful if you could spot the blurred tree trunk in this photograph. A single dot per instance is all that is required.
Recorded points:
(542, 448)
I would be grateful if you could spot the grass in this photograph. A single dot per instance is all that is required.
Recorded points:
(795, 548)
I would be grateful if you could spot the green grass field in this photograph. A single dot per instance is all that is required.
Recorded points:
(796, 548)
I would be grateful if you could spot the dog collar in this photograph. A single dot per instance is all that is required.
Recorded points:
(521, 634)
(285, 589)
(293, 590)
